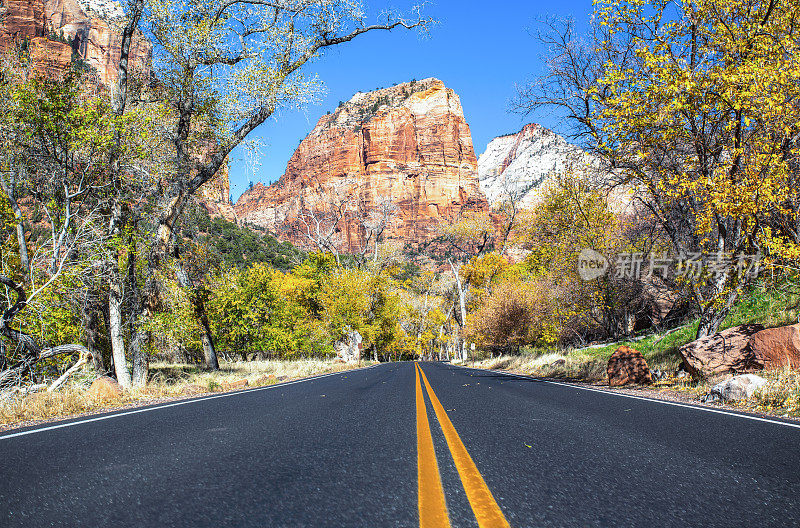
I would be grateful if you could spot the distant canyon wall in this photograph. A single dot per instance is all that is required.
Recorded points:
(93, 27)
(408, 144)
(521, 165)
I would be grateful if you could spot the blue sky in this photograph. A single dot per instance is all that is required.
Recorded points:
(479, 49)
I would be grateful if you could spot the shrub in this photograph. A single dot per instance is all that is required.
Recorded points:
(513, 315)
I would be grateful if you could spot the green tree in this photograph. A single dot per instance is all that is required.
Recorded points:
(249, 313)
(56, 141)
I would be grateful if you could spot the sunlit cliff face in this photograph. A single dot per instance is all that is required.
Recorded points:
(408, 144)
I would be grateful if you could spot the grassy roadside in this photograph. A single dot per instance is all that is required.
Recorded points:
(167, 382)
(769, 306)
(780, 397)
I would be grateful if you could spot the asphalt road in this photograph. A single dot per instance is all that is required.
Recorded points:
(351, 449)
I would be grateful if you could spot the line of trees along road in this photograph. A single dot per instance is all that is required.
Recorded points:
(691, 110)
(97, 179)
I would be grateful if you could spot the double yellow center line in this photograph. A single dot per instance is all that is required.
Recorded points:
(432, 505)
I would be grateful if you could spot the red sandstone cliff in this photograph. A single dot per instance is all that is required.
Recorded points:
(23, 25)
(22, 20)
(215, 194)
(93, 26)
(408, 144)
(49, 58)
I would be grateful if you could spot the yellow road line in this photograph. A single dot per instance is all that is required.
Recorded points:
(432, 506)
(485, 508)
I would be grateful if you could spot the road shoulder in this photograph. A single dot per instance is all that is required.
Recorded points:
(664, 394)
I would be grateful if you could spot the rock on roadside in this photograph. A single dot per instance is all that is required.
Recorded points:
(722, 352)
(736, 388)
(775, 348)
(627, 365)
(104, 388)
(235, 385)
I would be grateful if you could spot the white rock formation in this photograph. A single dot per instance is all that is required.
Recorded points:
(105, 9)
(521, 163)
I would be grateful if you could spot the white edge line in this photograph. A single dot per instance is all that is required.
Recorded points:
(179, 403)
(643, 398)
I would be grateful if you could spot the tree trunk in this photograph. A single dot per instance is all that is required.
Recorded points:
(20, 225)
(116, 330)
(138, 351)
(209, 351)
(196, 294)
(170, 213)
(710, 321)
(20, 369)
(713, 316)
(115, 298)
(91, 325)
(141, 364)
(462, 310)
(120, 97)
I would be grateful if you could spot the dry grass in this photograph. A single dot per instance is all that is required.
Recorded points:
(167, 377)
(166, 381)
(568, 365)
(780, 396)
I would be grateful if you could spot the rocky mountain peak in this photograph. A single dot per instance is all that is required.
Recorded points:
(520, 163)
(362, 106)
(407, 144)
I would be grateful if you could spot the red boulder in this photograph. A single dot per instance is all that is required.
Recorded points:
(775, 348)
(235, 385)
(627, 365)
(104, 388)
(726, 351)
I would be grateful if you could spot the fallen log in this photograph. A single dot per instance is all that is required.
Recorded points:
(15, 374)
